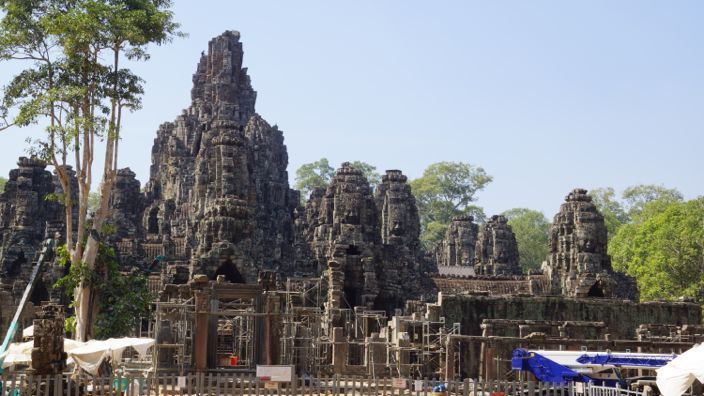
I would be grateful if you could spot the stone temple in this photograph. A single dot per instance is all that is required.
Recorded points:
(217, 222)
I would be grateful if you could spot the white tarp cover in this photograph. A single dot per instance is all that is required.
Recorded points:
(28, 332)
(90, 356)
(676, 377)
(21, 352)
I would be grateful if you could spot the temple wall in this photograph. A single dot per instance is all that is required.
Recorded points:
(621, 317)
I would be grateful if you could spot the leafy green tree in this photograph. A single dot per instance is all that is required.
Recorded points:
(614, 213)
(3, 181)
(369, 171)
(532, 231)
(313, 175)
(446, 190)
(123, 298)
(664, 249)
(636, 197)
(319, 173)
(74, 82)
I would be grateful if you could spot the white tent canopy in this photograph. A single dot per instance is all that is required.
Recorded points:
(28, 332)
(91, 355)
(88, 355)
(675, 378)
(21, 352)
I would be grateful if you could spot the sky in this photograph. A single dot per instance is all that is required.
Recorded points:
(546, 96)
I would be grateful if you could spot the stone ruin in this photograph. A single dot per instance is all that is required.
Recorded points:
(497, 250)
(578, 265)
(218, 200)
(488, 250)
(368, 241)
(28, 215)
(457, 248)
(218, 211)
(48, 356)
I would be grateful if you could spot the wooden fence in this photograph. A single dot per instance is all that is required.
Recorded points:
(237, 384)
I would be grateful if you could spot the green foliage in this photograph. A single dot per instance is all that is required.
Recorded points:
(3, 181)
(122, 298)
(318, 174)
(446, 190)
(633, 200)
(663, 248)
(532, 231)
(613, 210)
(74, 47)
(636, 197)
(313, 175)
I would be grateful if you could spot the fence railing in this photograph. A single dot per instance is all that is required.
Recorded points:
(598, 390)
(239, 384)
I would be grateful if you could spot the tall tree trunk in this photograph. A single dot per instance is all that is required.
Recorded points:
(87, 298)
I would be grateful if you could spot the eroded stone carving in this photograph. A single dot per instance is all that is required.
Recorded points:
(458, 246)
(496, 249)
(578, 265)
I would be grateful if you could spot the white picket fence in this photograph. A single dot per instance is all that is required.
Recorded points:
(241, 384)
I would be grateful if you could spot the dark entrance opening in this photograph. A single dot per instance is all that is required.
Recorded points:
(596, 291)
(230, 272)
(153, 221)
(39, 294)
(15, 266)
(350, 296)
(353, 251)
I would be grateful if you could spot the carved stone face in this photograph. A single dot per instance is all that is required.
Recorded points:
(586, 239)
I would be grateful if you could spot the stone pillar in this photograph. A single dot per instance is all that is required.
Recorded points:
(339, 351)
(272, 329)
(200, 344)
(48, 356)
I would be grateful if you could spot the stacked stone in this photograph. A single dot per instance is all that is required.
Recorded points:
(375, 239)
(400, 277)
(348, 233)
(578, 265)
(496, 249)
(458, 246)
(48, 356)
(126, 204)
(218, 180)
(400, 224)
(27, 218)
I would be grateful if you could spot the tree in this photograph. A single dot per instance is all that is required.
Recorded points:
(318, 174)
(313, 175)
(532, 231)
(3, 181)
(636, 197)
(75, 83)
(664, 249)
(446, 190)
(124, 298)
(633, 200)
(614, 213)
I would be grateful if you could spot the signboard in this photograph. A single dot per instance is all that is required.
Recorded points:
(275, 373)
(418, 385)
(271, 385)
(399, 383)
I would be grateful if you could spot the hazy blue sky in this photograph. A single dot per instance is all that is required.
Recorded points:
(545, 95)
